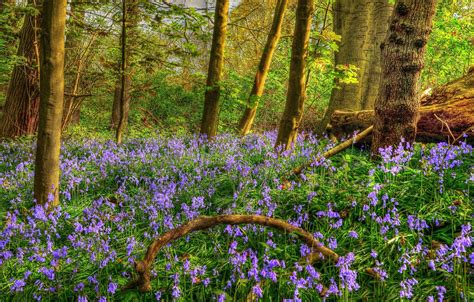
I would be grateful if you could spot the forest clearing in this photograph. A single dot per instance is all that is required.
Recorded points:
(254, 150)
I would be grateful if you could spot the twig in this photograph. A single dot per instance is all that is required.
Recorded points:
(447, 126)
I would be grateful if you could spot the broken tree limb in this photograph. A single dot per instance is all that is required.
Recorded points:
(341, 147)
(143, 267)
(445, 115)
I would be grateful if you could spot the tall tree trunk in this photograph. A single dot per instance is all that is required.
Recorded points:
(248, 117)
(369, 80)
(210, 116)
(46, 179)
(362, 25)
(20, 113)
(296, 94)
(129, 24)
(396, 108)
(75, 55)
(116, 105)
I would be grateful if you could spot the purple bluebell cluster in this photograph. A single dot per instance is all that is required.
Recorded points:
(405, 217)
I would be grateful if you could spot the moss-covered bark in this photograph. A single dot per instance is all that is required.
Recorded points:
(46, 179)
(129, 32)
(362, 25)
(296, 95)
(210, 116)
(248, 116)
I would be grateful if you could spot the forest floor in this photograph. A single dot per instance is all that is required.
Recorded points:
(401, 224)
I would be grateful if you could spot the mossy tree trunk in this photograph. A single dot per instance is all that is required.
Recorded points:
(248, 117)
(129, 28)
(291, 118)
(20, 113)
(210, 116)
(362, 25)
(46, 179)
(397, 104)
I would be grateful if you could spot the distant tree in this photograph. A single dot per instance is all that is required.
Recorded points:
(46, 179)
(291, 119)
(116, 104)
(74, 61)
(362, 25)
(210, 116)
(20, 113)
(397, 105)
(248, 116)
(129, 27)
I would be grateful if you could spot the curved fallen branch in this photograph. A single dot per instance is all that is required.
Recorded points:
(143, 267)
(341, 147)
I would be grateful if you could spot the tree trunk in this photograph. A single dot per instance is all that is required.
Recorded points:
(20, 113)
(75, 62)
(46, 179)
(129, 24)
(396, 108)
(210, 116)
(362, 26)
(369, 80)
(445, 115)
(116, 105)
(259, 82)
(290, 121)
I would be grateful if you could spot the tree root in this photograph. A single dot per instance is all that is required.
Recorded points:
(143, 267)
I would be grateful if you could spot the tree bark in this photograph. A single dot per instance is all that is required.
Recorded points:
(116, 105)
(210, 116)
(75, 61)
(362, 26)
(248, 117)
(46, 179)
(397, 105)
(129, 24)
(20, 113)
(445, 115)
(290, 121)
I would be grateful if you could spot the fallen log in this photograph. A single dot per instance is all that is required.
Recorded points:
(445, 115)
(339, 148)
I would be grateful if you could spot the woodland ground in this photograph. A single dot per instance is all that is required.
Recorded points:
(401, 223)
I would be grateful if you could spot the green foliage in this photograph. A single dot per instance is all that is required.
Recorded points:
(451, 44)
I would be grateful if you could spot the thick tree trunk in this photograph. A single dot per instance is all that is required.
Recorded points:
(129, 24)
(445, 115)
(248, 117)
(362, 25)
(296, 94)
(46, 179)
(210, 116)
(20, 113)
(397, 105)
(369, 80)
